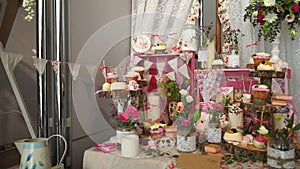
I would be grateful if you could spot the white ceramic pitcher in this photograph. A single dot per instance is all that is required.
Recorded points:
(35, 152)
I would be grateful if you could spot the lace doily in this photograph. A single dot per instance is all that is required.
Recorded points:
(209, 82)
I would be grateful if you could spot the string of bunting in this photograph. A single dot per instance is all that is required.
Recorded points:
(40, 64)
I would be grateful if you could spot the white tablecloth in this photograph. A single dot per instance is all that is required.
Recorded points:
(95, 159)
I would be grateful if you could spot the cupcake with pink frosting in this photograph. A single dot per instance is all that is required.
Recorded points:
(260, 91)
(259, 142)
(111, 77)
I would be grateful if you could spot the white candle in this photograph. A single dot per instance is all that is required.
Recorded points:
(130, 145)
(153, 102)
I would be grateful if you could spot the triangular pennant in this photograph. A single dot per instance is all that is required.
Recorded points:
(171, 76)
(184, 71)
(55, 65)
(173, 64)
(160, 68)
(40, 65)
(136, 60)
(147, 64)
(74, 69)
(92, 69)
(13, 60)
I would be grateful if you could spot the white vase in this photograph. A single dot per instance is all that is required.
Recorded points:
(275, 54)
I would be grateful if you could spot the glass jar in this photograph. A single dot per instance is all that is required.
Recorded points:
(202, 58)
(281, 153)
(124, 130)
(186, 140)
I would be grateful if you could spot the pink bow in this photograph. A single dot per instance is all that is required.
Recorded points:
(261, 121)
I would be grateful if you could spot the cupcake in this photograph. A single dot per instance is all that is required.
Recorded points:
(111, 77)
(157, 131)
(246, 97)
(106, 86)
(160, 48)
(259, 142)
(259, 57)
(250, 65)
(131, 76)
(260, 91)
(140, 70)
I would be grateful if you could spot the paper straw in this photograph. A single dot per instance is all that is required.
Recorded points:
(244, 88)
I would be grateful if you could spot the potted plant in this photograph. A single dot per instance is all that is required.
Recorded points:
(281, 148)
(185, 120)
(126, 122)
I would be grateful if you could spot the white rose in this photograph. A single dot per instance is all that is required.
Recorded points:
(189, 99)
(255, 13)
(183, 92)
(269, 2)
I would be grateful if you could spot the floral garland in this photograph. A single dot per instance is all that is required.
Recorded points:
(224, 16)
(29, 6)
(268, 15)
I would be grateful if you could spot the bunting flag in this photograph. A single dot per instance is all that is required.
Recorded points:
(184, 71)
(92, 69)
(74, 69)
(171, 76)
(147, 64)
(55, 66)
(12, 59)
(136, 60)
(173, 64)
(40, 65)
(160, 68)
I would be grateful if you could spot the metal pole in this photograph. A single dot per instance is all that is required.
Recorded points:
(42, 54)
(201, 21)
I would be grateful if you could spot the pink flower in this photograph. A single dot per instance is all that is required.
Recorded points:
(185, 122)
(295, 8)
(124, 116)
(134, 113)
(260, 139)
(217, 106)
(239, 127)
(159, 120)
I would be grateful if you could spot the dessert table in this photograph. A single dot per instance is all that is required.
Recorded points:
(95, 159)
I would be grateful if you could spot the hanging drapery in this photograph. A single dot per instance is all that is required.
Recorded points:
(289, 50)
(163, 18)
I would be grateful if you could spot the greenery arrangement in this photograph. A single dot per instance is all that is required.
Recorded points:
(231, 38)
(29, 6)
(170, 88)
(283, 137)
(270, 14)
(207, 35)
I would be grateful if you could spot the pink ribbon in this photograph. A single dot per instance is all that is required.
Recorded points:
(253, 44)
(261, 121)
(106, 147)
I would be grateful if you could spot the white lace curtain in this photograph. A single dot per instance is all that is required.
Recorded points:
(289, 50)
(165, 19)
